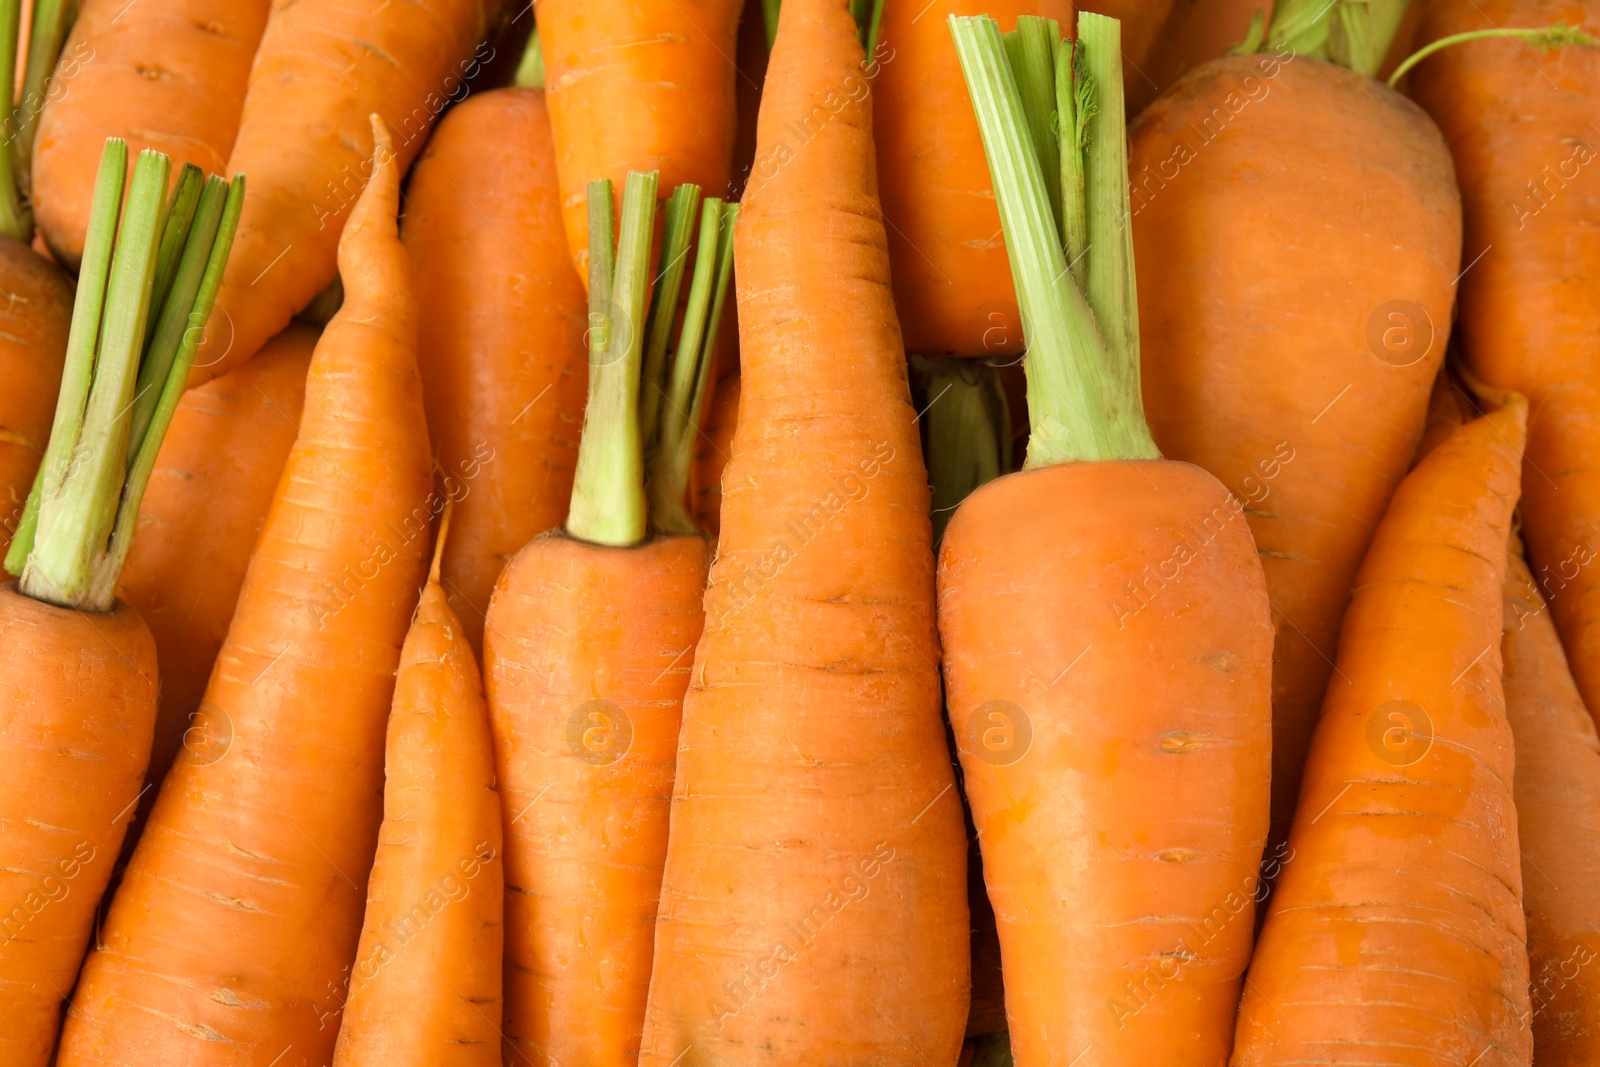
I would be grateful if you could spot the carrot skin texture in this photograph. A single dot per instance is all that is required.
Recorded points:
(425, 988)
(572, 623)
(1521, 124)
(77, 709)
(168, 75)
(214, 480)
(33, 347)
(1397, 928)
(1557, 791)
(322, 68)
(646, 85)
(814, 787)
(952, 282)
(264, 841)
(1148, 705)
(500, 339)
(1262, 368)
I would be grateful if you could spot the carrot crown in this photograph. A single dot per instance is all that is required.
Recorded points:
(966, 427)
(642, 416)
(144, 295)
(1050, 112)
(51, 20)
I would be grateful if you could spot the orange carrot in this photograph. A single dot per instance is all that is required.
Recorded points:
(1521, 125)
(640, 86)
(162, 74)
(1396, 933)
(322, 68)
(1129, 736)
(238, 918)
(952, 286)
(814, 903)
(425, 988)
(1297, 373)
(1557, 791)
(214, 480)
(500, 340)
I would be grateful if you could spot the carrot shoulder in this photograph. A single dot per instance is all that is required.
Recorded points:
(322, 68)
(162, 74)
(1397, 923)
(814, 904)
(425, 988)
(237, 921)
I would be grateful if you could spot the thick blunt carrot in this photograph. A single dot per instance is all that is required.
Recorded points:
(162, 74)
(1297, 373)
(322, 68)
(79, 707)
(952, 286)
(33, 347)
(213, 482)
(640, 86)
(500, 338)
(1396, 934)
(425, 988)
(1521, 124)
(814, 904)
(1114, 751)
(1557, 792)
(232, 935)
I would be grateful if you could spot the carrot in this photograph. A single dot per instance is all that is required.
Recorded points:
(814, 902)
(208, 497)
(162, 74)
(323, 66)
(1129, 734)
(425, 988)
(1297, 373)
(238, 918)
(1143, 21)
(638, 87)
(1557, 792)
(1396, 933)
(1195, 31)
(951, 284)
(79, 675)
(1521, 127)
(501, 341)
(588, 649)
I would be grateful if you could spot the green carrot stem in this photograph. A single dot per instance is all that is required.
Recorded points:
(1075, 106)
(769, 11)
(673, 454)
(1031, 49)
(1546, 38)
(870, 42)
(180, 216)
(183, 324)
(1352, 33)
(75, 523)
(530, 72)
(608, 501)
(16, 219)
(1076, 404)
(52, 20)
(82, 341)
(966, 427)
(677, 230)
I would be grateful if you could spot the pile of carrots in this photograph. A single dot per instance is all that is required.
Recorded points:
(714, 533)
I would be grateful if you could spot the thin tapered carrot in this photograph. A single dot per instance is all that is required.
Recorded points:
(1396, 933)
(814, 903)
(1520, 123)
(1557, 792)
(500, 341)
(1298, 373)
(214, 479)
(425, 988)
(232, 934)
(78, 683)
(952, 286)
(323, 66)
(168, 75)
(638, 87)
(1131, 736)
